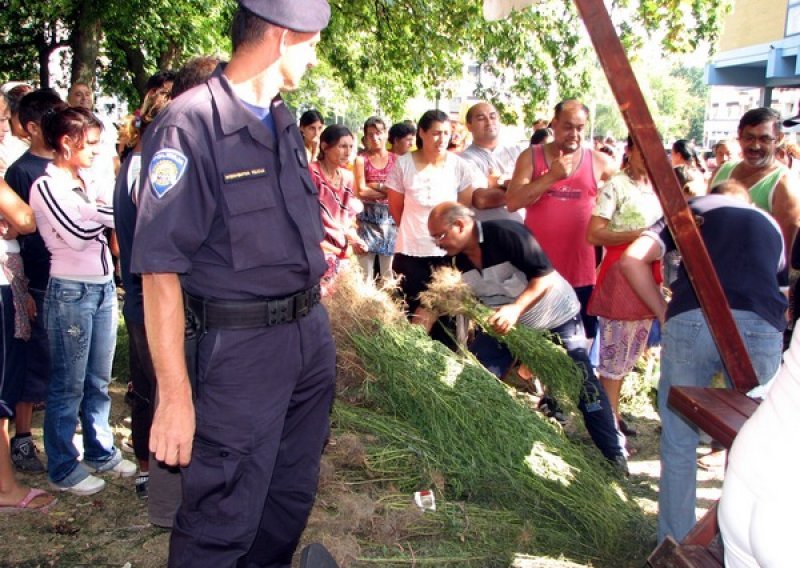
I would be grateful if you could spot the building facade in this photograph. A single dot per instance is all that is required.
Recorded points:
(757, 65)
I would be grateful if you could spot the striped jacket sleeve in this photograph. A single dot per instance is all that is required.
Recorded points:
(71, 214)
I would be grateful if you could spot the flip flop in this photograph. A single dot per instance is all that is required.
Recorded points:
(24, 505)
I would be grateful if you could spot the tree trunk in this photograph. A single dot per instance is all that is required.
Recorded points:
(43, 50)
(85, 43)
(136, 63)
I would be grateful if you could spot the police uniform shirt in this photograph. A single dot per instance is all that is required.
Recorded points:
(223, 203)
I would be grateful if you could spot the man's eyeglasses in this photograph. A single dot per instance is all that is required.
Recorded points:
(440, 237)
(763, 140)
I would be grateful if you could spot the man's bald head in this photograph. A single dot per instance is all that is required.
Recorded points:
(483, 122)
(451, 226)
(448, 212)
(568, 125)
(571, 105)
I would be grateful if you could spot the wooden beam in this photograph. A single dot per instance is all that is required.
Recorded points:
(678, 215)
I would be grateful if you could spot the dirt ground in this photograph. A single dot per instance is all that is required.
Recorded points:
(111, 528)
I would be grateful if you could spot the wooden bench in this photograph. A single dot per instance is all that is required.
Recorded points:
(720, 413)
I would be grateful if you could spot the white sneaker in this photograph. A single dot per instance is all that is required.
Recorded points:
(125, 468)
(88, 486)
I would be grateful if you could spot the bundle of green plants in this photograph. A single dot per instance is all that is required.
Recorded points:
(489, 448)
(455, 534)
(536, 349)
(436, 419)
(385, 457)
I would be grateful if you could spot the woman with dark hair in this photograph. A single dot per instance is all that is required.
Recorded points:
(375, 225)
(419, 181)
(688, 166)
(626, 206)
(80, 305)
(542, 136)
(338, 203)
(311, 125)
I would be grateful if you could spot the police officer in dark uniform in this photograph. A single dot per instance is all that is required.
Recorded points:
(229, 227)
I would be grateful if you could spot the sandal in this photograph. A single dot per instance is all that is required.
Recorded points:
(26, 504)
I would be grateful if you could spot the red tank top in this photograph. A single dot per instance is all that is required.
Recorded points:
(373, 174)
(560, 217)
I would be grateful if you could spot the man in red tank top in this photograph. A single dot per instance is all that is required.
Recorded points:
(557, 185)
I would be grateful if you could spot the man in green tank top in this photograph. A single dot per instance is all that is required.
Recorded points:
(772, 186)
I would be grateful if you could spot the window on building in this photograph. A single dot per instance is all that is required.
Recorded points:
(793, 18)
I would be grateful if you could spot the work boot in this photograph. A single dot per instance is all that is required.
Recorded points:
(620, 464)
(316, 556)
(23, 454)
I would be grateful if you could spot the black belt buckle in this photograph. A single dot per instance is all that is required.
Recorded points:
(302, 304)
(278, 311)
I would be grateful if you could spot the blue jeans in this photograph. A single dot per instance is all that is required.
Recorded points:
(689, 357)
(81, 320)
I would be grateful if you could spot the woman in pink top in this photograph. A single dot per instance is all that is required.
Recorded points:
(375, 225)
(80, 306)
(338, 203)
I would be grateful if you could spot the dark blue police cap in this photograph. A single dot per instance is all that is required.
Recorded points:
(295, 15)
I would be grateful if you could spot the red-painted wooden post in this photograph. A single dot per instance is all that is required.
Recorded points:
(679, 218)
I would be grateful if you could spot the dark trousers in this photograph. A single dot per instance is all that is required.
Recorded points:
(589, 322)
(262, 413)
(593, 403)
(415, 273)
(12, 356)
(143, 379)
(37, 355)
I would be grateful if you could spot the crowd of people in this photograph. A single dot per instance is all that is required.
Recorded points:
(229, 220)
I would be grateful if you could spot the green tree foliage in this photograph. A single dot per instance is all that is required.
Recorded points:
(698, 91)
(382, 51)
(675, 94)
(120, 44)
(397, 48)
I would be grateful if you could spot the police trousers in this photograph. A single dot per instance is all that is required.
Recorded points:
(262, 409)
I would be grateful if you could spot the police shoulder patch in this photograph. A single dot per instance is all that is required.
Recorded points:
(166, 169)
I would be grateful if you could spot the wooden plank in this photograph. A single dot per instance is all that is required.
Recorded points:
(705, 531)
(679, 218)
(735, 399)
(720, 416)
(669, 554)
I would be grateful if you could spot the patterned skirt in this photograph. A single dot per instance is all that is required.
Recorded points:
(376, 227)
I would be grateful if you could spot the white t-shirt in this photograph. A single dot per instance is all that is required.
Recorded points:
(502, 159)
(7, 247)
(423, 191)
(11, 148)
